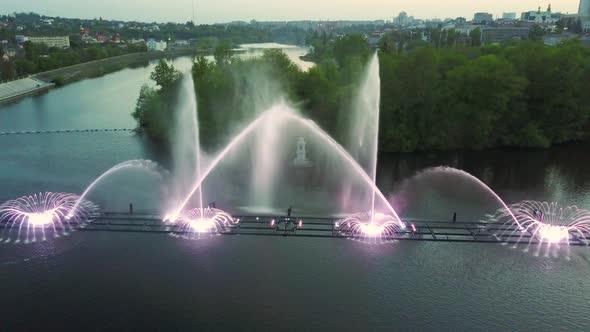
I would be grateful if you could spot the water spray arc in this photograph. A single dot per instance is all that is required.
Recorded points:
(282, 111)
(141, 164)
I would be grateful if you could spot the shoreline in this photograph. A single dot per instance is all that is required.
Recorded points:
(48, 80)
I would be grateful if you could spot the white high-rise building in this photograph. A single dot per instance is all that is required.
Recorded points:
(584, 9)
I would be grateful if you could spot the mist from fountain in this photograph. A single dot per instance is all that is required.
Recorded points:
(278, 114)
(363, 132)
(268, 141)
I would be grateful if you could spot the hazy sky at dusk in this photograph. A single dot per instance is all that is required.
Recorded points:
(210, 11)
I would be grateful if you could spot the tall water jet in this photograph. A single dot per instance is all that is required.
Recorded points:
(186, 148)
(265, 171)
(363, 130)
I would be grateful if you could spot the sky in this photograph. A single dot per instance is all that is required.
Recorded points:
(218, 11)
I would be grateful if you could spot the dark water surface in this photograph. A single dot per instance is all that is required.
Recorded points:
(94, 281)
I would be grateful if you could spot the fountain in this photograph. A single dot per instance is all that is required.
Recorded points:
(381, 228)
(32, 218)
(283, 113)
(363, 133)
(546, 223)
(145, 165)
(186, 149)
(200, 222)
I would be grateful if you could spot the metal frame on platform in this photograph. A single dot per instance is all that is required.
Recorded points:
(324, 227)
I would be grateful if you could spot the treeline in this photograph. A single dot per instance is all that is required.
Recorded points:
(520, 95)
(39, 58)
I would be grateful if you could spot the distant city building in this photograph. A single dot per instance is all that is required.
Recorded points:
(541, 17)
(154, 45)
(584, 14)
(102, 38)
(509, 16)
(466, 29)
(584, 9)
(460, 20)
(51, 41)
(483, 18)
(88, 39)
(403, 20)
(492, 35)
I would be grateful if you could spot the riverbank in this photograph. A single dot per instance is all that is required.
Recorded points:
(101, 67)
(44, 81)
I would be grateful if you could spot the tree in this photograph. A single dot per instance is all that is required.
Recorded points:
(32, 51)
(351, 46)
(223, 54)
(482, 91)
(7, 70)
(25, 67)
(164, 75)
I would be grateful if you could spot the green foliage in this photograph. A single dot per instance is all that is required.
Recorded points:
(519, 95)
(58, 81)
(39, 58)
(7, 70)
(222, 54)
(351, 46)
(154, 107)
(164, 75)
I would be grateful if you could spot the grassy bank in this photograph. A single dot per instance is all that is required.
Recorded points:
(101, 67)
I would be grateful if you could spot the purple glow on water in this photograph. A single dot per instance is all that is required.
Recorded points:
(199, 222)
(283, 112)
(35, 217)
(550, 224)
(369, 227)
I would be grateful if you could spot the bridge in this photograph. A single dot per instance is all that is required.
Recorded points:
(323, 227)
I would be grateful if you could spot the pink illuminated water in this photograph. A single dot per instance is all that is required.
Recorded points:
(186, 147)
(279, 113)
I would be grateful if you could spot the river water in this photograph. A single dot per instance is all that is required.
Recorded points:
(94, 281)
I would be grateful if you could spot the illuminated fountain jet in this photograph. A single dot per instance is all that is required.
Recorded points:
(371, 228)
(542, 223)
(36, 217)
(278, 113)
(200, 222)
